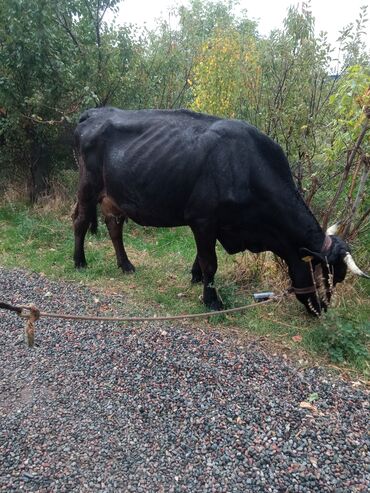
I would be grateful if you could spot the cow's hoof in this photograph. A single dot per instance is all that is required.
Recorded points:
(128, 268)
(80, 264)
(215, 305)
(196, 278)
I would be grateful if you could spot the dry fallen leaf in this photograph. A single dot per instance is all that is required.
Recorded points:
(313, 461)
(309, 406)
(297, 338)
(103, 308)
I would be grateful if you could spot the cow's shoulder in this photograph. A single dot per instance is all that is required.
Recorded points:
(237, 129)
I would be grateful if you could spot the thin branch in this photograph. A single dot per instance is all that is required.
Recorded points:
(347, 168)
(64, 24)
(357, 226)
(181, 92)
(357, 202)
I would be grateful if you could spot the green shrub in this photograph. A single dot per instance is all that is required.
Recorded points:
(345, 340)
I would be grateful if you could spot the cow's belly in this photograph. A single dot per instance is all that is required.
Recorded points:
(143, 216)
(236, 240)
(232, 241)
(156, 203)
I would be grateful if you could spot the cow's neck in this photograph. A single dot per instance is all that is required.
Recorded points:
(297, 228)
(300, 230)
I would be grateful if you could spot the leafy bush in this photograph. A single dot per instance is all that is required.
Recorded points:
(64, 184)
(344, 339)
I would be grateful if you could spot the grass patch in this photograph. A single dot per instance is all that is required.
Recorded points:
(41, 240)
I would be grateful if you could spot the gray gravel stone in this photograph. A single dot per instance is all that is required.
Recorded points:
(164, 408)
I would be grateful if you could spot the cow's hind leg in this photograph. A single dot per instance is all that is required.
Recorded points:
(205, 239)
(81, 218)
(115, 227)
(196, 272)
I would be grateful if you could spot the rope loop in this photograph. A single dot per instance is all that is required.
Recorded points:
(31, 318)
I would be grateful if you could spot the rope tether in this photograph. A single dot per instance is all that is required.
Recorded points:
(31, 313)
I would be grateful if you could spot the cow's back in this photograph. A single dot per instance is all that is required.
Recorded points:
(150, 159)
(163, 167)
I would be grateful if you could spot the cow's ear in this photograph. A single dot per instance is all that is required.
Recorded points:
(306, 255)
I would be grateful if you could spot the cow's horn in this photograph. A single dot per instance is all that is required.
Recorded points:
(332, 230)
(348, 259)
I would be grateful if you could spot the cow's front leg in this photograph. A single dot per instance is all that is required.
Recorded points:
(196, 272)
(115, 227)
(205, 239)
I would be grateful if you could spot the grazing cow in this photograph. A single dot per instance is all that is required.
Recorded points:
(223, 178)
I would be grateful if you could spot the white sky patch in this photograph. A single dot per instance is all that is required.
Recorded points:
(330, 15)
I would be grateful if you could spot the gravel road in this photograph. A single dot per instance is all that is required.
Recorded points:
(164, 408)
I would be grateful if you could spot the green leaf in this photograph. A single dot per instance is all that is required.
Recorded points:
(313, 397)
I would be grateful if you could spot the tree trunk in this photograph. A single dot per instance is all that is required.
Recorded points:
(39, 167)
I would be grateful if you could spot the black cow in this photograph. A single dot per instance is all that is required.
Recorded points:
(223, 178)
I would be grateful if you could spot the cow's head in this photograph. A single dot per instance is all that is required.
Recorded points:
(325, 269)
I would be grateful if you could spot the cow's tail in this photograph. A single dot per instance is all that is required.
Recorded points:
(93, 213)
(91, 206)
